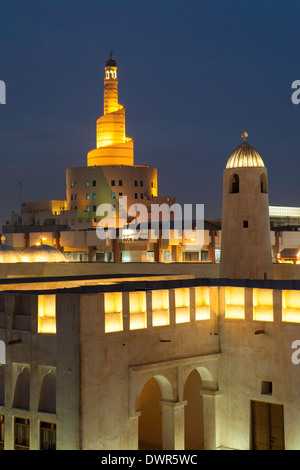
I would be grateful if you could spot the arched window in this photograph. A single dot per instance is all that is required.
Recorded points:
(22, 390)
(235, 184)
(263, 183)
(47, 401)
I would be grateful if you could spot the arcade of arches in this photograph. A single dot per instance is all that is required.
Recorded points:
(177, 409)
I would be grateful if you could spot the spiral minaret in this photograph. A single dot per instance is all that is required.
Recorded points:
(113, 146)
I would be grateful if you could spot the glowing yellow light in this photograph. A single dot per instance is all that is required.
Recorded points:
(263, 304)
(291, 306)
(138, 310)
(160, 307)
(47, 313)
(235, 302)
(113, 311)
(113, 147)
(182, 305)
(202, 303)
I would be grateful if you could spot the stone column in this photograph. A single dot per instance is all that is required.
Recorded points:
(212, 246)
(133, 435)
(173, 425)
(175, 253)
(210, 418)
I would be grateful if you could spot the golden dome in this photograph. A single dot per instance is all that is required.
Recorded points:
(245, 156)
(9, 254)
(42, 253)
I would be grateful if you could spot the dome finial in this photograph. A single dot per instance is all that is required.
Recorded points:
(111, 62)
(244, 136)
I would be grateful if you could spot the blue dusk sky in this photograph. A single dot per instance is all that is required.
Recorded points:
(193, 75)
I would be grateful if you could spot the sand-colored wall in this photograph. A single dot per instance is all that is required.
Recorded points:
(208, 270)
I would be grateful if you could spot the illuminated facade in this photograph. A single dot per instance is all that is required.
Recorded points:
(110, 173)
(171, 362)
(113, 146)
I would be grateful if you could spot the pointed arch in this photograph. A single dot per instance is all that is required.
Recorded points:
(22, 390)
(47, 401)
(193, 412)
(234, 185)
(150, 420)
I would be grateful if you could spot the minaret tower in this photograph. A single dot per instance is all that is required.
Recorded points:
(246, 242)
(113, 147)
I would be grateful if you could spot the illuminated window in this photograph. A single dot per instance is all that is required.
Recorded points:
(47, 436)
(88, 195)
(263, 304)
(138, 310)
(202, 305)
(87, 184)
(113, 195)
(47, 313)
(22, 430)
(75, 197)
(94, 195)
(113, 311)
(182, 305)
(72, 184)
(291, 306)
(88, 208)
(235, 302)
(160, 307)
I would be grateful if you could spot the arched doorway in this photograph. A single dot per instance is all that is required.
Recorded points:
(150, 420)
(194, 423)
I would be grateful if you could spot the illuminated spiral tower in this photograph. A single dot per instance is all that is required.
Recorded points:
(113, 146)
